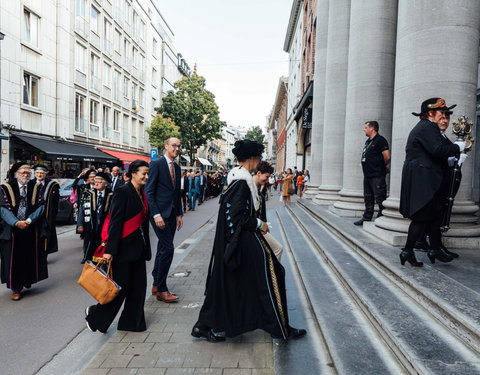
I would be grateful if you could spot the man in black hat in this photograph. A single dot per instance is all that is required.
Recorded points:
(422, 175)
(375, 160)
(21, 209)
(49, 189)
(92, 213)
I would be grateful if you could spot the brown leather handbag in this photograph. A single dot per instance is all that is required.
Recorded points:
(99, 283)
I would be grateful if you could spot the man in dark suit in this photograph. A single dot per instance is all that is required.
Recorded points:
(203, 185)
(184, 190)
(164, 201)
(117, 179)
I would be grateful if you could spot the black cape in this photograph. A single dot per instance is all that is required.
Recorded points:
(51, 196)
(422, 173)
(245, 283)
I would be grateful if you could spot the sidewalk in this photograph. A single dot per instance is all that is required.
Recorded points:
(167, 346)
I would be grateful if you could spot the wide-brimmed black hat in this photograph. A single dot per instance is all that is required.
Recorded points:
(434, 104)
(88, 173)
(18, 165)
(104, 176)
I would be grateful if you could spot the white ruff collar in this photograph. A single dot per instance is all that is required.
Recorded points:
(240, 173)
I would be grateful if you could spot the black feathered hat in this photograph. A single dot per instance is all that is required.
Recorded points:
(18, 165)
(434, 104)
(245, 149)
(88, 173)
(104, 176)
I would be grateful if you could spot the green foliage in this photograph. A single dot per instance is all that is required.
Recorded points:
(160, 130)
(194, 111)
(255, 133)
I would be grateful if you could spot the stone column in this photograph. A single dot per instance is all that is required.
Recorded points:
(318, 98)
(437, 56)
(335, 98)
(371, 68)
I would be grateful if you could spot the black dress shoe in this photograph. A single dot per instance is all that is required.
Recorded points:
(448, 252)
(293, 333)
(409, 256)
(438, 254)
(204, 332)
(360, 221)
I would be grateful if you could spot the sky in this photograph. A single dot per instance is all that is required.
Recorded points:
(238, 47)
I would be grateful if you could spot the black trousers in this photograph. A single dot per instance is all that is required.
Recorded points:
(374, 190)
(165, 249)
(132, 277)
(183, 195)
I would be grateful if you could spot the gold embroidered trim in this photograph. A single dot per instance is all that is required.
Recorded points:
(34, 194)
(10, 191)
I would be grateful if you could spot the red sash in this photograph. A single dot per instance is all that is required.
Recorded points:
(130, 226)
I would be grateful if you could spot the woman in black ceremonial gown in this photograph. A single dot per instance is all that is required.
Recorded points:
(245, 283)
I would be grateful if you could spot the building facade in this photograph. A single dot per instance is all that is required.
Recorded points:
(82, 72)
(376, 61)
(278, 123)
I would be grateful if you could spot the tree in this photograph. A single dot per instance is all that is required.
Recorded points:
(194, 111)
(160, 130)
(255, 133)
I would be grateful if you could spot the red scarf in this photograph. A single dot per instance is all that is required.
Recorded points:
(130, 226)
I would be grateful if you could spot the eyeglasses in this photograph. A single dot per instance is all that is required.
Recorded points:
(24, 173)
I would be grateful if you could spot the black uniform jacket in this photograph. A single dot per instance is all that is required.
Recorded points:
(125, 205)
(51, 196)
(422, 172)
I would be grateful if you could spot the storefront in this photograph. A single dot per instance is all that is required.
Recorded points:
(58, 154)
(126, 158)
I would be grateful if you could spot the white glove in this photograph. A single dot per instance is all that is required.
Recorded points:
(461, 159)
(461, 144)
(451, 161)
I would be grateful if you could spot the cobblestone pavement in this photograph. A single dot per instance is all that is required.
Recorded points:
(167, 346)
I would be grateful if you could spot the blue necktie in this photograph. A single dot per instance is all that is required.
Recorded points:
(22, 207)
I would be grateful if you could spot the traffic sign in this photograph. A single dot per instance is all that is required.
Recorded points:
(153, 154)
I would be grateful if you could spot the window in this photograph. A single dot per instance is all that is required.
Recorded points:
(106, 75)
(154, 47)
(94, 17)
(154, 104)
(140, 97)
(30, 90)
(94, 72)
(80, 57)
(107, 31)
(126, 51)
(30, 28)
(126, 129)
(126, 12)
(154, 77)
(134, 92)
(135, 23)
(116, 120)
(80, 8)
(141, 30)
(93, 112)
(117, 38)
(79, 113)
(116, 85)
(134, 56)
(141, 66)
(106, 118)
(125, 87)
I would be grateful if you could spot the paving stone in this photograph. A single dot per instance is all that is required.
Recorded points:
(123, 371)
(199, 359)
(158, 337)
(139, 348)
(114, 348)
(151, 371)
(181, 337)
(263, 372)
(156, 327)
(180, 371)
(96, 362)
(237, 371)
(165, 348)
(118, 336)
(170, 361)
(209, 371)
(135, 337)
(95, 371)
(116, 360)
(148, 360)
(225, 360)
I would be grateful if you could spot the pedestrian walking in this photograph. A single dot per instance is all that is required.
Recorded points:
(22, 208)
(375, 160)
(300, 184)
(184, 190)
(128, 249)
(422, 174)
(49, 189)
(92, 213)
(245, 284)
(295, 176)
(116, 178)
(193, 190)
(164, 201)
(287, 187)
(202, 187)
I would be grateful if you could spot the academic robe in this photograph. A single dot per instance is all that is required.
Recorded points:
(91, 217)
(51, 196)
(245, 283)
(24, 262)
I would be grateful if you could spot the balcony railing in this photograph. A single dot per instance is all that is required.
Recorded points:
(107, 47)
(107, 132)
(95, 83)
(133, 141)
(116, 136)
(94, 131)
(81, 26)
(126, 137)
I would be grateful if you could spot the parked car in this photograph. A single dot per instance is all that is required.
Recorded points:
(66, 212)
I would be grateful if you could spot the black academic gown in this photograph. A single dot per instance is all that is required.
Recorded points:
(245, 283)
(24, 262)
(91, 217)
(422, 172)
(50, 195)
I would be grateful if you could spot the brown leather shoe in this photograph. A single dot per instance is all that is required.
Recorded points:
(16, 296)
(154, 290)
(166, 297)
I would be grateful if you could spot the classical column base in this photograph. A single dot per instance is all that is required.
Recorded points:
(350, 204)
(327, 195)
(311, 192)
(392, 227)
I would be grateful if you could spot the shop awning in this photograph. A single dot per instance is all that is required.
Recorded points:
(306, 100)
(187, 158)
(126, 157)
(69, 151)
(204, 162)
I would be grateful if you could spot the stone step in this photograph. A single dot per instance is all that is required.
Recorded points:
(410, 332)
(353, 347)
(448, 291)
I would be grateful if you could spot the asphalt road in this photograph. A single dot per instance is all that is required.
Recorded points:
(51, 314)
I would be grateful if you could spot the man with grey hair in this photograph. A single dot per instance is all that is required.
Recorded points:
(21, 209)
(164, 202)
(117, 180)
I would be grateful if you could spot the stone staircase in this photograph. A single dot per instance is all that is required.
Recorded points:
(367, 314)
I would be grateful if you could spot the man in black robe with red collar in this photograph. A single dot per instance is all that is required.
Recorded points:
(21, 210)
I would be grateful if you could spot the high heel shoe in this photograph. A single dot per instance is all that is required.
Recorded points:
(409, 256)
(448, 252)
(438, 254)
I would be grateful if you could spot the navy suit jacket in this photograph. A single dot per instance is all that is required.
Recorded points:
(161, 195)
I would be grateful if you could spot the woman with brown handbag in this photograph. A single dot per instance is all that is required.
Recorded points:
(287, 188)
(127, 248)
